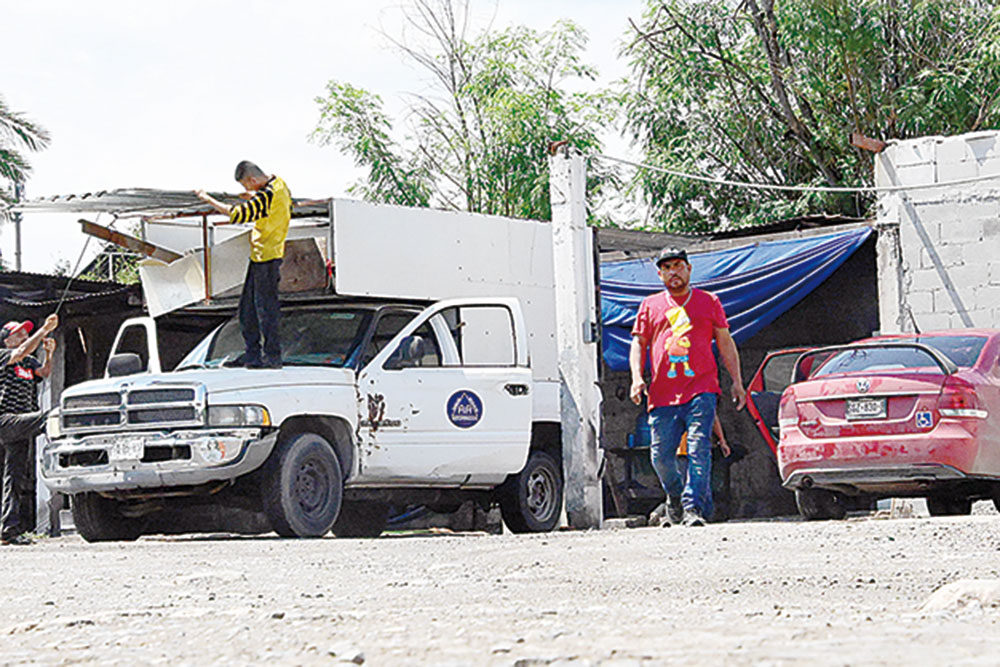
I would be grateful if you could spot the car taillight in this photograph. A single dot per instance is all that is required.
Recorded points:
(959, 399)
(788, 412)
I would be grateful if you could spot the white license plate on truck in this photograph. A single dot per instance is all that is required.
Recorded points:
(127, 450)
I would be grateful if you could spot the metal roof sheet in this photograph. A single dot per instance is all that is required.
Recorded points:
(132, 202)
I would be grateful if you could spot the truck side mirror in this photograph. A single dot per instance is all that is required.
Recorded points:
(125, 363)
(409, 352)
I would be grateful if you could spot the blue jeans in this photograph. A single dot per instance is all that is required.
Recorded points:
(259, 311)
(666, 424)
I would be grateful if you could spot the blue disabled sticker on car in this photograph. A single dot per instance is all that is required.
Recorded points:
(925, 419)
(465, 409)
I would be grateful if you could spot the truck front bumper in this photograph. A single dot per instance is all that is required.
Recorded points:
(142, 460)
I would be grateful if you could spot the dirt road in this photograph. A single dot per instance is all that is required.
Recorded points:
(775, 593)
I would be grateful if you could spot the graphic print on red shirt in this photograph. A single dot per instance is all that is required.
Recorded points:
(679, 336)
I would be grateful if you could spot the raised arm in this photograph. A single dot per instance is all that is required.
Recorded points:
(30, 345)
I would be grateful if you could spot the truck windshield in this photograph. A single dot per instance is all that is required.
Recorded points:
(308, 338)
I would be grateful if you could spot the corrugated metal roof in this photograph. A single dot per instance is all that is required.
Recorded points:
(148, 201)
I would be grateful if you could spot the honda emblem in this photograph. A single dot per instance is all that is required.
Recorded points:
(863, 386)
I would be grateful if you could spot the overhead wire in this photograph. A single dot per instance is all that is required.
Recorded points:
(792, 188)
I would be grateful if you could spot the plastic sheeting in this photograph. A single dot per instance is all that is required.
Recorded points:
(756, 284)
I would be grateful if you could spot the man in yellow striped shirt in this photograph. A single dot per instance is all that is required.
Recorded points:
(269, 207)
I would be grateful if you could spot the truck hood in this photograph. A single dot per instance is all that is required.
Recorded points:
(220, 381)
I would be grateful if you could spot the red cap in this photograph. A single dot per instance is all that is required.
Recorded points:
(13, 326)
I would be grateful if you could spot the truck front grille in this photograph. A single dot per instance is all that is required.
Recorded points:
(142, 408)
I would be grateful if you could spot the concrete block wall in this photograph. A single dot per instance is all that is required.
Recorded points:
(939, 261)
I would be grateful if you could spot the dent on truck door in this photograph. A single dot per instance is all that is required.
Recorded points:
(764, 392)
(448, 398)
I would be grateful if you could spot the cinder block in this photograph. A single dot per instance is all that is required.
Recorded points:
(987, 297)
(994, 272)
(917, 174)
(991, 230)
(921, 301)
(933, 321)
(983, 145)
(978, 209)
(947, 255)
(957, 170)
(925, 280)
(952, 150)
(961, 232)
(911, 152)
(970, 276)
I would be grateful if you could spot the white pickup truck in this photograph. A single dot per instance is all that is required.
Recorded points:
(381, 402)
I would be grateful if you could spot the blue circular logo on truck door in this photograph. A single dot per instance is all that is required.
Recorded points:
(465, 409)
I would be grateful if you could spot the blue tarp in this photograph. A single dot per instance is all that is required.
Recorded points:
(756, 284)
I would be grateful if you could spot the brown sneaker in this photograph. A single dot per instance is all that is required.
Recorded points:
(21, 540)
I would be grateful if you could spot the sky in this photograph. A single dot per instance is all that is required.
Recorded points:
(172, 95)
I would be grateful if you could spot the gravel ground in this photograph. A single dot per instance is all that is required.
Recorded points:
(760, 592)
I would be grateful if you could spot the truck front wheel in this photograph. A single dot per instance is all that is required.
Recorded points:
(303, 486)
(530, 502)
(98, 519)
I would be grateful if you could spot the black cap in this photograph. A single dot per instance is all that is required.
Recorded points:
(671, 253)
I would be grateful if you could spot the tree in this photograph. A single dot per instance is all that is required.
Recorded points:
(769, 93)
(16, 132)
(479, 135)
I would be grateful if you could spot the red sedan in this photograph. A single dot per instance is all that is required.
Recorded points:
(903, 415)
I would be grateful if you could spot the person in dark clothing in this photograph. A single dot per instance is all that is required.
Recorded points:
(20, 419)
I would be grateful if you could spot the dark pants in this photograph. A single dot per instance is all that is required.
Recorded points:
(17, 433)
(259, 312)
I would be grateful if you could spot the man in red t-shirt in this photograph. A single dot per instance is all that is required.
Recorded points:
(678, 327)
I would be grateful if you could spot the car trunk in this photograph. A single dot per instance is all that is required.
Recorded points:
(859, 405)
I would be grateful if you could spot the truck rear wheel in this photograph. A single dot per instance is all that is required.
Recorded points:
(98, 519)
(360, 518)
(302, 486)
(819, 504)
(531, 501)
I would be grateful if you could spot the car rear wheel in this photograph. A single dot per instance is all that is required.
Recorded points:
(359, 518)
(820, 504)
(99, 519)
(302, 487)
(948, 506)
(531, 501)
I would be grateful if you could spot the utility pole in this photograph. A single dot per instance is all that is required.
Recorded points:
(576, 335)
(18, 196)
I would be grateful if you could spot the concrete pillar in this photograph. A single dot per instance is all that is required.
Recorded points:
(576, 335)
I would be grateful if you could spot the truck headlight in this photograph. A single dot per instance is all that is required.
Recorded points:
(53, 429)
(238, 415)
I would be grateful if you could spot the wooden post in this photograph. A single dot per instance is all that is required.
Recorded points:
(206, 257)
(576, 335)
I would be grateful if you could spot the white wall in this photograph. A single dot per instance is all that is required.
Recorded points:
(939, 247)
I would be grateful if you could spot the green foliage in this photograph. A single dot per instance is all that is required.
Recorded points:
(770, 93)
(16, 133)
(479, 137)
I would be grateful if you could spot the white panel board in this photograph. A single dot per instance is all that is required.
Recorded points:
(180, 283)
(396, 252)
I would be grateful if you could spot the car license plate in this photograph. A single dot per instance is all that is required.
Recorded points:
(127, 450)
(866, 408)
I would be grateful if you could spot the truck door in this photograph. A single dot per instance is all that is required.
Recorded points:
(449, 397)
(138, 336)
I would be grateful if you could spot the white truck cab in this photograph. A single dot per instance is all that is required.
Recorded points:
(378, 404)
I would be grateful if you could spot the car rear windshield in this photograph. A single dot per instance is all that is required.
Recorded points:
(963, 350)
